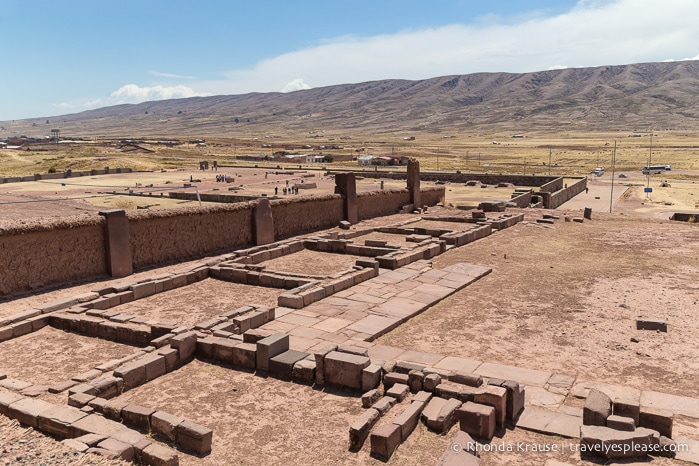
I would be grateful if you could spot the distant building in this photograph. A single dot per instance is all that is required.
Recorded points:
(365, 160)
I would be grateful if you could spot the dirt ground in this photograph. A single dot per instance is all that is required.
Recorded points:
(561, 298)
(204, 300)
(565, 299)
(312, 263)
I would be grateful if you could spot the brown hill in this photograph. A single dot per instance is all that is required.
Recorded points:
(660, 96)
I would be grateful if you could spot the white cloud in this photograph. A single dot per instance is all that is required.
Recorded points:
(169, 75)
(593, 33)
(295, 85)
(133, 94)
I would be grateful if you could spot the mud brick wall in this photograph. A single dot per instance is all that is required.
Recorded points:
(36, 255)
(376, 203)
(432, 196)
(300, 215)
(565, 194)
(165, 235)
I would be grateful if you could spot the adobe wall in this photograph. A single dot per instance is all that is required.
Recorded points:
(376, 203)
(34, 256)
(175, 234)
(62, 250)
(304, 214)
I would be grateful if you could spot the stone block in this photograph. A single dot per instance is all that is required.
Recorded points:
(597, 408)
(121, 450)
(118, 243)
(392, 378)
(154, 365)
(651, 324)
(194, 438)
(408, 419)
(370, 397)
(384, 441)
(304, 371)
(282, 365)
(422, 397)
(621, 423)
(95, 424)
(398, 391)
(269, 347)
(371, 377)
(384, 404)
(477, 419)
(627, 407)
(132, 373)
(319, 354)
(610, 443)
(57, 420)
(158, 455)
(466, 378)
(137, 416)
(657, 419)
(186, 345)
(344, 369)
(164, 425)
(415, 380)
(263, 223)
(222, 349)
(255, 335)
(6, 399)
(497, 398)
(515, 399)
(113, 409)
(170, 355)
(28, 410)
(143, 290)
(360, 428)
(431, 381)
(78, 400)
(244, 355)
(440, 414)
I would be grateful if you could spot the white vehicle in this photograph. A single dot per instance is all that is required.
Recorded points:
(668, 167)
(653, 169)
(598, 171)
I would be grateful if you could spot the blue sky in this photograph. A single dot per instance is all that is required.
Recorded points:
(73, 55)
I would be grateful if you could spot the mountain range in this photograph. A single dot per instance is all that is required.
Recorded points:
(637, 97)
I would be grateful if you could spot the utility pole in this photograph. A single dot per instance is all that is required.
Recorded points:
(611, 193)
(549, 161)
(650, 157)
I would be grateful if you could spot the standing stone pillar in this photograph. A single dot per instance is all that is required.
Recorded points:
(346, 184)
(414, 183)
(262, 223)
(118, 243)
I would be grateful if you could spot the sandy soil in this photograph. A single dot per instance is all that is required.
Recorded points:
(565, 299)
(312, 263)
(49, 356)
(200, 301)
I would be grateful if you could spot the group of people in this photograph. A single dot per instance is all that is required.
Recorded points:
(221, 178)
(285, 190)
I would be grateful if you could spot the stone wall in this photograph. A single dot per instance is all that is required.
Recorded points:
(518, 180)
(34, 256)
(309, 213)
(376, 203)
(62, 250)
(564, 195)
(552, 186)
(175, 234)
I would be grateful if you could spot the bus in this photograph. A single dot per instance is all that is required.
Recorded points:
(654, 169)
